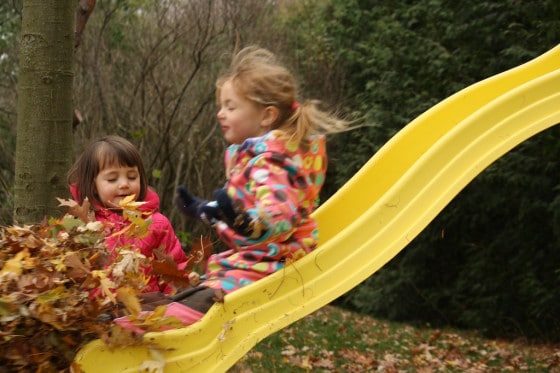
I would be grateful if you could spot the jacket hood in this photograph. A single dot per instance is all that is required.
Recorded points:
(274, 142)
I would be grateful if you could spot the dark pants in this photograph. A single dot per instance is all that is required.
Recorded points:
(199, 298)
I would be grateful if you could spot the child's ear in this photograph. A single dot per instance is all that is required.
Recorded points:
(270, 116)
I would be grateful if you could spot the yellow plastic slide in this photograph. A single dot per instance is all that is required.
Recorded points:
(366, 223)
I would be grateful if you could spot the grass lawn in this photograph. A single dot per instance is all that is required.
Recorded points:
(336, 340)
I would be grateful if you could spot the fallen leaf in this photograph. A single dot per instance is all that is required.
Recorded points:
(128, 297)
(82, 212)
(166, 268)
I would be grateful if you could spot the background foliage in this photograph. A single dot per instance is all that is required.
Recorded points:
(146, 71)
(9, 25)
(490, 259)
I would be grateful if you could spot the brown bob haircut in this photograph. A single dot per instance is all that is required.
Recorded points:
(104, 152)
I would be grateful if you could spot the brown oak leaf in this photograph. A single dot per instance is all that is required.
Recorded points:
(82, 212)
(166, 268)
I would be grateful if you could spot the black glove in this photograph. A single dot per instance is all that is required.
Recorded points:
(187, 203)
(234, 216)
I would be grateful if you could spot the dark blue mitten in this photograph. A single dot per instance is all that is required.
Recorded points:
(234, 216)
(187, 203)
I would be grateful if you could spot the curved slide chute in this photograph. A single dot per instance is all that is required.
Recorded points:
(385, 205)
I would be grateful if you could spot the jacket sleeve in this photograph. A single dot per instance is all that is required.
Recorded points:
(271, 196)
(162, 236)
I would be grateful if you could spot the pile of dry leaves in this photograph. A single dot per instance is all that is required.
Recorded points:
(58, 290)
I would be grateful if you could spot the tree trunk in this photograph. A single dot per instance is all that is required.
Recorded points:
(44, 125)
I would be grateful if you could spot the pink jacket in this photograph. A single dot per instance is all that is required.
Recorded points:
(161, 235)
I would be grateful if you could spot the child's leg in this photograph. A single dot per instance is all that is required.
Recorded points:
(200, 298)
(149, 301)
(185, 314)
(188, 306)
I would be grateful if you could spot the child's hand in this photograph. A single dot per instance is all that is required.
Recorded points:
(187, 203)
(223, 209)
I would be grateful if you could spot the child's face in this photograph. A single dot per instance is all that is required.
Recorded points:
(113, 183)
(239, 118)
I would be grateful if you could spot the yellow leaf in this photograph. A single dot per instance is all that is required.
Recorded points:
(128, 203)
(107, 286)
(14, 266)
(55, 294)
(128, 297)
(59, 264)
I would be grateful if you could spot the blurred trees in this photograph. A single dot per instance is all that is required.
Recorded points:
(10, 21)
(490, 259)
(146, 71)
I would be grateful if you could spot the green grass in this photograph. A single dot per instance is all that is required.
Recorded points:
(336, 340)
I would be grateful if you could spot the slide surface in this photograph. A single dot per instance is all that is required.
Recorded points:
(366, 223)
